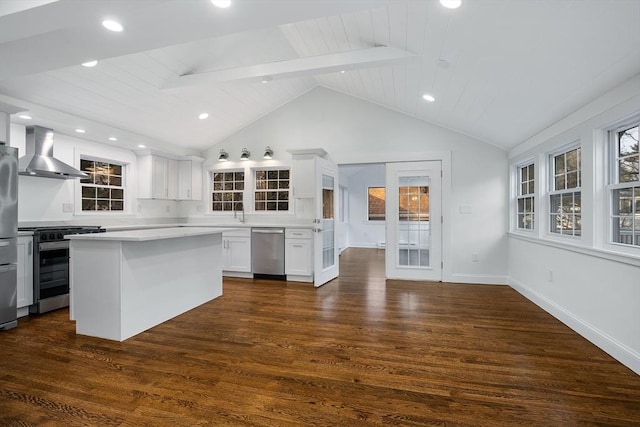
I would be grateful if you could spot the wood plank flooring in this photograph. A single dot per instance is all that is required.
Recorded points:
(356, 352)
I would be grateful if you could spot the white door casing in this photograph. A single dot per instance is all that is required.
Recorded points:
(325, 252)
(414, 221)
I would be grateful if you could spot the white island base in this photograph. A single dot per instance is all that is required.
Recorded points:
(123, 283)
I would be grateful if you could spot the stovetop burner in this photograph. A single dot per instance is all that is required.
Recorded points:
(57, 233)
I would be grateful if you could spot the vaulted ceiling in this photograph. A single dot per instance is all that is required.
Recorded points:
(499, 70)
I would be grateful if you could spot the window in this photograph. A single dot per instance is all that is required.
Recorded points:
(625, 187)
(227, 191)
(272, 190)
(526, 197)
(376, 203)
(103, 190)
(565, 200)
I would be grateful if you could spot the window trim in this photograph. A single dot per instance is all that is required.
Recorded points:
(210, 187)
(612, 182)
(551, 191)
(126, 186)
(253, 189)
(518, 195)
(367, 218)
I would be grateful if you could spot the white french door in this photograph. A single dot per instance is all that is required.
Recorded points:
(325, 251)
(414, 221)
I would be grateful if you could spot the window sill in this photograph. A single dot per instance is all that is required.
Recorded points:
(568, 246)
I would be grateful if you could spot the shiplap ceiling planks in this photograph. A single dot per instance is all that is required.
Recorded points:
(500, 70)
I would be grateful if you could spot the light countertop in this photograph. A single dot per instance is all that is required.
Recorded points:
(227, 226)
(149, 234)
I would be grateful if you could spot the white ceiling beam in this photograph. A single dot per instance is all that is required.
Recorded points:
(298, 67)
(68, 32)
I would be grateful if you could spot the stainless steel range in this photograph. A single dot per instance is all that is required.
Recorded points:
(51, 266)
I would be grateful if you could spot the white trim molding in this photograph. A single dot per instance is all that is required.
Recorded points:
(611, 346)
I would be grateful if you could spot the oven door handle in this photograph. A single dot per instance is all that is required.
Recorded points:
(50, 246)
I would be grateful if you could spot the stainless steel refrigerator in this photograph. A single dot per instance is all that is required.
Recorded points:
(8, 236)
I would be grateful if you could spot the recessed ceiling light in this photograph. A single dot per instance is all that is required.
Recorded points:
(221, 3)
(266, 79)
(142, 146)
(428, 97)
(203, 116)
(80, 130)
(451, 4)
(113, 138)
(24, 116)
(342, 71)
(112, 25)
(90, 64)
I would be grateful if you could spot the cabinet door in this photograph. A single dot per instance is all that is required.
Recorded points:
(172, 179)
(237, 254)
(303, 178)
(297, 255)
(25, 271)
(190, 180)
(159, 175)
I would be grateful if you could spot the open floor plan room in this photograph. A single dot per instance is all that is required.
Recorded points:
(355, 352)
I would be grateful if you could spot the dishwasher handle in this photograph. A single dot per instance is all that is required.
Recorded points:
(267, 230)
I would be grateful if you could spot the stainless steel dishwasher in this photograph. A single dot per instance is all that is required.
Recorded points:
(267, 252)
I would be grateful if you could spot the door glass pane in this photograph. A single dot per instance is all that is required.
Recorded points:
(413, 221)
(328, 243)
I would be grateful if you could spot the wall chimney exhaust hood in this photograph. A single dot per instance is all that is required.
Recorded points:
(39, 160)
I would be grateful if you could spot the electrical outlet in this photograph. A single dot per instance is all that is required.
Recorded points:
(67, 207)
(168, 209)
(139, 207)
(550, 276)
(475, 257)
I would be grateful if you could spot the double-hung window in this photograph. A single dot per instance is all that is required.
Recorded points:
(227, 193)
(526, 197)
(271, 190)
(565, 198)
(103, 189)
(624, 186)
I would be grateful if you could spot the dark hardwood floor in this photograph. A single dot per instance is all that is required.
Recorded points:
(356, 352)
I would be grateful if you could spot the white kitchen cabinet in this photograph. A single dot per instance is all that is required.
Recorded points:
(236, 253)
(190, 179)
(25, 272)
(157, 177)
(298, 254)
(172, 179)
(303, 166)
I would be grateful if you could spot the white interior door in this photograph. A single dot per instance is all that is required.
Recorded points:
(325, 251)
(414, 221)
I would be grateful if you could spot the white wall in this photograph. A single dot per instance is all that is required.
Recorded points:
(352, 131)
(43, 199)
(362, 233)
(593, 290)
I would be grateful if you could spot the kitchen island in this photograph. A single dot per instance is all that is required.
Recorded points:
(125, 282)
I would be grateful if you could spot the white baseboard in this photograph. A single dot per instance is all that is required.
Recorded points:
(363, 245)
(293, 278)
(611, 346)
(238, 274)
(477, 279)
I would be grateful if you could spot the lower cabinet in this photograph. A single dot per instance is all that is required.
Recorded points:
(25, 273)
(298, 254)
(236, 252)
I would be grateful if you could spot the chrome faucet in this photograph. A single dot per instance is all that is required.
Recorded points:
(235, 212)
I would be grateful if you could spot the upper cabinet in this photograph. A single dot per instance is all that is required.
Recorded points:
(303, 165)
(190, 179)
(167, 178)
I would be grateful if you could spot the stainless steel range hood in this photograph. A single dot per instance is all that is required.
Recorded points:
(39, 160)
